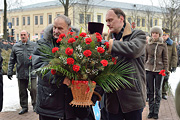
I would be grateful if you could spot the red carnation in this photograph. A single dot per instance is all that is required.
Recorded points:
(30, 57)
(71, 33)
(53, 72)
(55, 49)
(87, 53)
(114, 60)
(107, 45)
(98, 34)
(76, 68)
(77, 37)
(71, 40)
(104, 62)
(99, 38)
(100, 50)
(83, 34)
(88, 40)
(58, 40)
(70, 61)
(69, 51)
(62, 35)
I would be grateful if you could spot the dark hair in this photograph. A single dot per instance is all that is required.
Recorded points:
(119, 13)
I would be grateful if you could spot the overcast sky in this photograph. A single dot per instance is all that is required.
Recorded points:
(145, 2)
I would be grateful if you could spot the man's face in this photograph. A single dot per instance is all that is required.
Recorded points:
(114, 23)
(155, 35)
(60, 26)
(165, 37)
(24, 36)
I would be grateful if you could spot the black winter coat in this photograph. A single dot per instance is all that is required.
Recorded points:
(53, 100)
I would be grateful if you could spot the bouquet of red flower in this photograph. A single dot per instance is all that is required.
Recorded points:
(84, 58)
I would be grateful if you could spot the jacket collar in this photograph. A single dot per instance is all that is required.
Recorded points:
(151, 40)
(127, 31)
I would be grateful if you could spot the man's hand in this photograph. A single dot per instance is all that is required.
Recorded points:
(10, 77)
(67, 81)
(110, 46)
(173, 69)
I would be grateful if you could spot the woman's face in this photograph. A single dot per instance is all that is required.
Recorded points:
(155, 35)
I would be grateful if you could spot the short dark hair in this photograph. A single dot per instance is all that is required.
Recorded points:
(119, 13)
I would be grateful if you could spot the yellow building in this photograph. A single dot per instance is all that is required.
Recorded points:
(35, 18)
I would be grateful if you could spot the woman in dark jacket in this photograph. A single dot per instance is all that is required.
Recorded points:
(156, 60)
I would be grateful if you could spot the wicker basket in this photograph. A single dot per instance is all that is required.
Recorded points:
(82, 93)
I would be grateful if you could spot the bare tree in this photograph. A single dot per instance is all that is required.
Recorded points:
(5, 20)
(67, 4)
(171, 16)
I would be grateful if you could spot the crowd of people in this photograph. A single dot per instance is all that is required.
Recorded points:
(148, 58)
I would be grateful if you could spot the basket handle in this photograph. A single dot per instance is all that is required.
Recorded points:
(99, 96)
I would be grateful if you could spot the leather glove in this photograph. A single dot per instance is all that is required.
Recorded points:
(173, 69)
(10, 77)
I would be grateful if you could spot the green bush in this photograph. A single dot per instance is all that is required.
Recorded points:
(5, 55)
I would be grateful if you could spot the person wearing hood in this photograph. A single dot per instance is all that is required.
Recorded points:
(52, 99)
(172, 60)
(156, 60)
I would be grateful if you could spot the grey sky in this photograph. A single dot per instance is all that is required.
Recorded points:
(145, 2)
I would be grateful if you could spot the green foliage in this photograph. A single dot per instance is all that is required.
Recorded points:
(6, 55)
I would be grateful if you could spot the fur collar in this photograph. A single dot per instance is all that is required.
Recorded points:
(151, 40)
(48, 32)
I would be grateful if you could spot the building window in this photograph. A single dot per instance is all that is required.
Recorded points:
(155, 22)
(49, 19)
(99, 18)
(129, 20)
(81, 18)
(36, 20)
(12, 21)
(143, 22)
(36, 34)
(41, 20)
(17, 37)
(88, 18)
(24, 21)
(28, 20)
(17, 21)
(58, 15)
(138, 22)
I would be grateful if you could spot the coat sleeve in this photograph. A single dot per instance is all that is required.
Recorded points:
(174, 56)
(132, 48)
(165, 57)
(39, 59)
(12, 61)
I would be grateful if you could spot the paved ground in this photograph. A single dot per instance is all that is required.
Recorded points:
(167, 112)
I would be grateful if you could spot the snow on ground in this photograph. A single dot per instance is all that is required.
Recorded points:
(11, 92)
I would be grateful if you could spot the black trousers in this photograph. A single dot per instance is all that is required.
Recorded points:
(155, 81)
(23, 93)
(134, 115)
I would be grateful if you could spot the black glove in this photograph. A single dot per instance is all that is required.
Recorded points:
(10, 77)
(30, 63)
(173, 69)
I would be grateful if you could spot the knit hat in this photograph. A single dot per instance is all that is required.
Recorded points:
(95, 27)
(157, 29)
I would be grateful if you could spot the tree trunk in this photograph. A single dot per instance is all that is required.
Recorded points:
(5, 21)
(66, 7)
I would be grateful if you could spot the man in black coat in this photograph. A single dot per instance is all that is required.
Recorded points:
(1, 83)
(52, 99)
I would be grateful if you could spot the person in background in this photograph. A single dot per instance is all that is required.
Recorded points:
(20, 55)
(128, 45)
(52, 99)
(172, 60)
(156, 60)
(1, 83)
